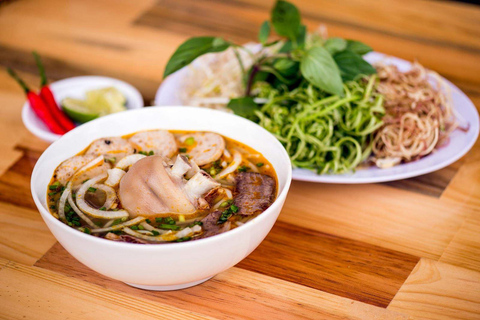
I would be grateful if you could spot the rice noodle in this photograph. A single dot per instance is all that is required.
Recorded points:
(228, 192)
(109, 223)
(149, 227)
(251, 166)
(142, 236)
(120, 225)
(419, 115)
(237, 160)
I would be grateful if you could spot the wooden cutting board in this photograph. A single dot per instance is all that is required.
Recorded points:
(401, 250)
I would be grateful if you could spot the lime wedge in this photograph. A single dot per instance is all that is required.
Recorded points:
(106, 100)
(78, 110)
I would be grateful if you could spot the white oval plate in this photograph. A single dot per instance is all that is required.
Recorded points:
(460, 142)
(75, 88)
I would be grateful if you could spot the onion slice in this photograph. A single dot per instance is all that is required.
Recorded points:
(151, 228)
(63, 201)
(96, 213)
(142, 236)
(79, 212)
(114, 177)
(111, 195)
(97, 162)
(237, 159)
(120, 225)
(128, 161)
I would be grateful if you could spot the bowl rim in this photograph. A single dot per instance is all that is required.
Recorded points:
(281, 196)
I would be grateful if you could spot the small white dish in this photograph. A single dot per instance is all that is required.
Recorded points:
(460, 142)
(75, 88)
(165, 266)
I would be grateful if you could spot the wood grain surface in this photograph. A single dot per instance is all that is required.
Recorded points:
(403, 250)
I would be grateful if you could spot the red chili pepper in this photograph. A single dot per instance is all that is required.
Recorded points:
(47, 96)
(38, 106)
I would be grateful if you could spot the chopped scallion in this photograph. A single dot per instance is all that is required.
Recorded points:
(190, 141)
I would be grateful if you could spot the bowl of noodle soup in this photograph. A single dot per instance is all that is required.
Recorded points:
(174, 265)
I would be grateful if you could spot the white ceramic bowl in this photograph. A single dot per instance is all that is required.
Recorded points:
(168, 266)
(75, 88)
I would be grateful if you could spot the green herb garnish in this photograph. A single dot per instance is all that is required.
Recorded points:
(243, 169)
(169, 227)
(54, 186)
(182, 150)
(183, 239)
(189, 141)
(92, 189)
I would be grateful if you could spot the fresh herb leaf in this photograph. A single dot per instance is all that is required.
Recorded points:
(182, 150)
(319, 68)
(352, 65)
(287, 47)
(358, 47)
(301, 36)
(260, 164)
(286, 67)
(192, 49)
(92, 189)
(334, 45)
(244, 107)
(155, 233)
(264, 32)
(286, 19)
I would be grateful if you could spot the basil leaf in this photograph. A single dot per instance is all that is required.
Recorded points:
(334, 45)
(264, 32)
(192, 49)
(301, 35)
(319, 68)
(286, 19)
(244, 107)
(358, 47)
(286, 67)
(286, 47)
(352, 65)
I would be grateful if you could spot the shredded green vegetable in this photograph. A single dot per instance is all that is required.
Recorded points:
(321, 132)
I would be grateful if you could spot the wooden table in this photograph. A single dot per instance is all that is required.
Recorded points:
(384, 251)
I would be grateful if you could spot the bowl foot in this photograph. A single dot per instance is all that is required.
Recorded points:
(168, 288)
